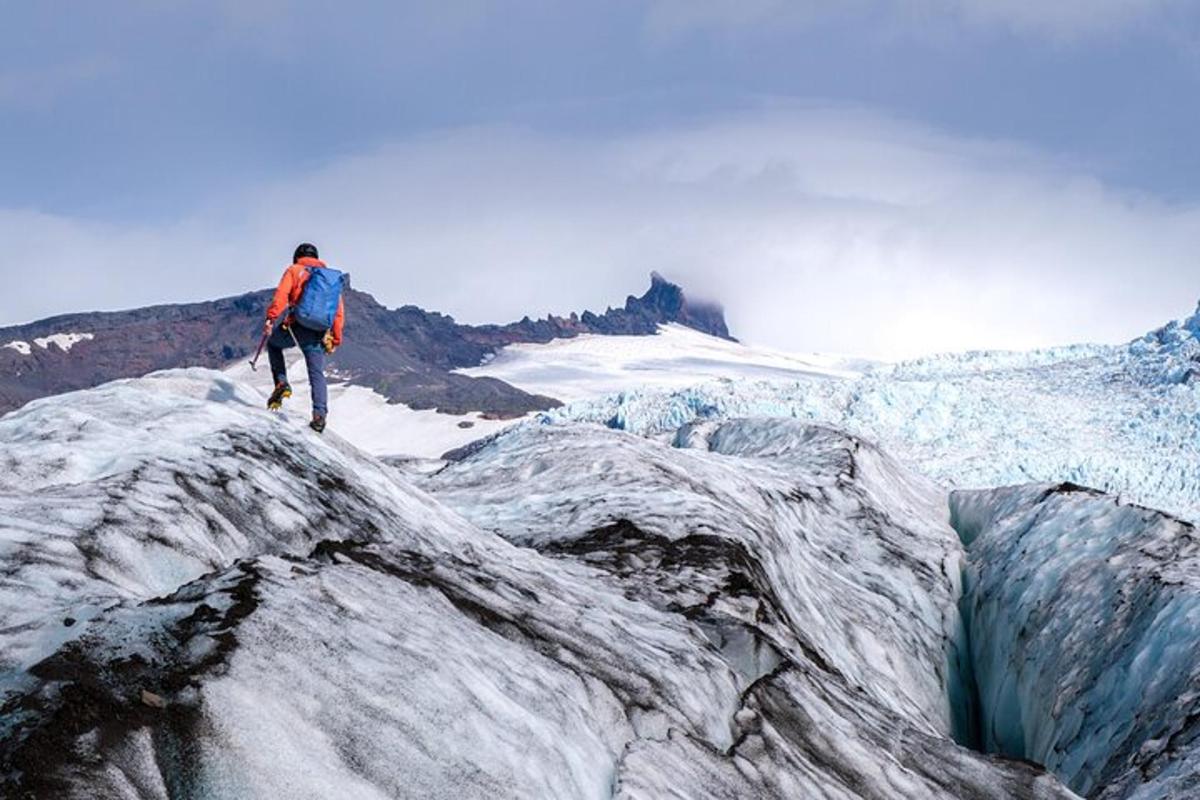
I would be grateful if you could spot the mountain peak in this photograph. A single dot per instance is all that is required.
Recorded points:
(666, 302)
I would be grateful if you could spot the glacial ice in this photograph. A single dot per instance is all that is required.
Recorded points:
(1085, 630)
(767, 610)
(725, 590)
(1124, 419)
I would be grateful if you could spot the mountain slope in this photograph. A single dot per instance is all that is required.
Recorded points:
(228, 606)
(408, 355)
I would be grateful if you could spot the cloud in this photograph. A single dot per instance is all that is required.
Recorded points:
(1059, 20)
(821, 228)
(305, 29)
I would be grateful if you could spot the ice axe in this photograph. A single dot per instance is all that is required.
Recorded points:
(267, 335)
(261, 343)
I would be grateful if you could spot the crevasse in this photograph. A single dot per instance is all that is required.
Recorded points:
(1083, 623)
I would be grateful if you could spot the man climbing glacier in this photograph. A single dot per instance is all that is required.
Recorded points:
(308, 301)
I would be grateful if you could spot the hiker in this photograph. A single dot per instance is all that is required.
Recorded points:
(310, 322)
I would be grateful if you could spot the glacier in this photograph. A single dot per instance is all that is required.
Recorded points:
(807, 586)
(201, 599)
(1124, 419)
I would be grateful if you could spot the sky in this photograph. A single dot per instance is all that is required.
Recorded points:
(883, 178)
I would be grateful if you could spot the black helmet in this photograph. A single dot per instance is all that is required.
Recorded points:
(305, 250)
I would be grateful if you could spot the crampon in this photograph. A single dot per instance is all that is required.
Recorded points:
(282, 392)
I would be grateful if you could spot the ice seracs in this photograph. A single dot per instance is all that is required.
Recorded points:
(1125, 418)
(1170, 354)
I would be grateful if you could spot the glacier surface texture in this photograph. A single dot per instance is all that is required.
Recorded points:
(1124, 419)
(802, 582)
(202, 600)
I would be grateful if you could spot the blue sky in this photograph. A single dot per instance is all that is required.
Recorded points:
(885, 177)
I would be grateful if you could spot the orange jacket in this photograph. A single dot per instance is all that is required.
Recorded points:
(291, 285)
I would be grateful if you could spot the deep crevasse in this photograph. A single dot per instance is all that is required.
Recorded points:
(1085, 635)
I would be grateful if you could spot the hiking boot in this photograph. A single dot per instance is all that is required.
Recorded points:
(282, 392)
(318, 423)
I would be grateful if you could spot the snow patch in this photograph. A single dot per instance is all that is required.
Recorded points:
(371, 422)
(63, 341)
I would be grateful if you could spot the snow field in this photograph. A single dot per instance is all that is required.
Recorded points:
(366, 419)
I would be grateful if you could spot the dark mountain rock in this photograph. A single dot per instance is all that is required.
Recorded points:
(664, 302)
(407, 354)
(126, 344)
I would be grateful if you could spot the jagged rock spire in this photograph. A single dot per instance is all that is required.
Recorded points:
(666, 302)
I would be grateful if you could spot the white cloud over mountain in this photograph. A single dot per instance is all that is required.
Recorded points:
(821, 228)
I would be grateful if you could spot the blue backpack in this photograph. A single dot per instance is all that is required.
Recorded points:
(319, 301)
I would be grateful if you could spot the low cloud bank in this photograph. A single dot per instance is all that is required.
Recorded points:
(820, 228)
